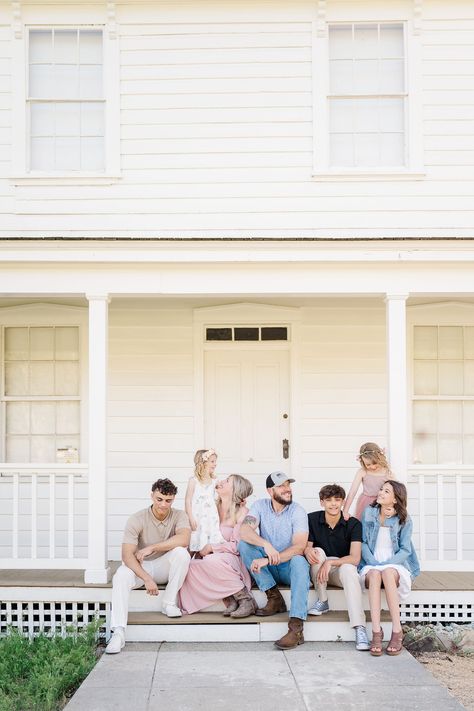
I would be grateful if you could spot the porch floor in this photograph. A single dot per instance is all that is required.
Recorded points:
(427, 580)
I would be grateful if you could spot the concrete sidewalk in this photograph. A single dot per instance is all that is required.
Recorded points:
(255, 675)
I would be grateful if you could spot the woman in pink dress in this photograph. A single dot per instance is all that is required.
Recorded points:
(220, 573)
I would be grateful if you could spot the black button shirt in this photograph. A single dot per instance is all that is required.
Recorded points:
(334, 541)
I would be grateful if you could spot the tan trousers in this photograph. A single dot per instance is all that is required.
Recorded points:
(344, 576)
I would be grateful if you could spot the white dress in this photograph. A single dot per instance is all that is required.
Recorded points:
(384, 551)
(205, 513)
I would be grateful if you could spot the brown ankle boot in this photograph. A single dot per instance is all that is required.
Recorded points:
(294, 636)
(231, 605)
(247, 604)
(275, 603)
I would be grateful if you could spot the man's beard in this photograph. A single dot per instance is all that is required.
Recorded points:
(281, 500)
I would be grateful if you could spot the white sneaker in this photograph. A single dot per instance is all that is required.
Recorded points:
(172, 610)
(362, 641)
(116, 643)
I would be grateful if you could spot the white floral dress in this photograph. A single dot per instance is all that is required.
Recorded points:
(205, 513)
(384, 551)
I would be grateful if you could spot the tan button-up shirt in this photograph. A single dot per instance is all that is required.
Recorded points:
(144, 529)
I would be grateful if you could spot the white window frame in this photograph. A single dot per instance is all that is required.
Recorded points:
(48, 315)
(413, 124)
(111, 66)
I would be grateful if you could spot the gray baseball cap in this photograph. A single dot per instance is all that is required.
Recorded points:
(277, 479)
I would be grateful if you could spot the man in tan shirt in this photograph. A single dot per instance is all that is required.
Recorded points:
(154, 550)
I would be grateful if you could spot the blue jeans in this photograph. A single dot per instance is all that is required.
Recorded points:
(294, 572)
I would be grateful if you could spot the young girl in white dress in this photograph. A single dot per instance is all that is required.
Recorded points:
(388, 560)
(200, 502)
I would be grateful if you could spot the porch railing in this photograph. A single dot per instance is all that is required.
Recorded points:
(44, 514)
(441, 503)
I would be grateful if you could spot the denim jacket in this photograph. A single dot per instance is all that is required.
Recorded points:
(403, 549)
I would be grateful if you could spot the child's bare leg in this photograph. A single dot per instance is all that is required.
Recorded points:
(373, 581)
(390, 579)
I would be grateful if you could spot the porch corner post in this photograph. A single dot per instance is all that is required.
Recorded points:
(397, 420)
(97, 568)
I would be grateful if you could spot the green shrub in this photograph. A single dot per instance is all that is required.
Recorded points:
(39, 674)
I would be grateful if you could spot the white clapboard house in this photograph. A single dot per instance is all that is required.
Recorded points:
(239, 224)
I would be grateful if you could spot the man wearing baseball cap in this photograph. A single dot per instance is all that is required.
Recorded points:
(275, 554)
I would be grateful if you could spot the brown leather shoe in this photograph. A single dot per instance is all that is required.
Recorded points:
(275, 603)
(294, 636)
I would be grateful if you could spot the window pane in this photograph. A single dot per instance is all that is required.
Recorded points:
(218, 334)
(68, 122)
(65, 47)
(366, 76)
(341, 149)
(41, 46)
(392, 149)
(274, 333)
(392, 115)
(66, 82)
(425, 417)
(90, 81)
(67, 343)
(42, 154)
(340, 76)
(16, 379)
(424, 449)
(67, 378)
(341, 115)
(43, 449)
(18, 449)
(42, 417)
(92, 154)
(425, 342)
(68, 441)
(366, 41)
(67, 418)
(391, 76)
(366, 147)
(68, 153)
(450, 342)
(340, 42)
(90, 47)
(449, 449)
(425, 378)
(41, 344)
(366, 116)
(92, 119)
(451, 378)
(42, 119)
(391, 41)
(450, 417)
(41, 84)
(17, 418)
(246, 334)
(468, 377)
(469, 342)
(42, 378)
(16, 344)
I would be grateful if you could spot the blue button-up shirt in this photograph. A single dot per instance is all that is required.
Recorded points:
(279, 528)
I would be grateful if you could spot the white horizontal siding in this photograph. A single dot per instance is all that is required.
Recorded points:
(5, 109)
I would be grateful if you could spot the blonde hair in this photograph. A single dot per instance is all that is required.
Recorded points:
(200, 460)
(241, 490)
(375, 454)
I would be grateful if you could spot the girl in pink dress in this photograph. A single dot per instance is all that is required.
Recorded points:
(220, 573)
(374, 471)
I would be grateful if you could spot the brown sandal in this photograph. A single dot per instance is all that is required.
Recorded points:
(395, 645)
(376, 644)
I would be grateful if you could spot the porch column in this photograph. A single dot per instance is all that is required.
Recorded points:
(97, 569)
(397, 384)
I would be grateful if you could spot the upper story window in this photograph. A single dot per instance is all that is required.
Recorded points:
(367, 95)
(66, 100)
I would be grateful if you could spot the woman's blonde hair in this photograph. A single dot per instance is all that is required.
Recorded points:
(200, 460)
(241, 490)
(375, 455)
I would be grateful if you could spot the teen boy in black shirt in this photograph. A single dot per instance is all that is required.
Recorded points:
(333, 552)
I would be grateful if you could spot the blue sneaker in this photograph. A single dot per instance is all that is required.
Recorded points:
(319, 608)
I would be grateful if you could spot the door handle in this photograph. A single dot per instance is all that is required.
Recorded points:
(286, 449)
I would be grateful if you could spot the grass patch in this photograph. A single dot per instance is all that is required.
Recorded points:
(40, 674)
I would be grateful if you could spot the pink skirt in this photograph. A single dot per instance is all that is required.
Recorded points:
(209, 580)
(362, 502)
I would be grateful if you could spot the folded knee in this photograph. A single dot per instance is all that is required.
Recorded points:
(180, 554)
(124, 574)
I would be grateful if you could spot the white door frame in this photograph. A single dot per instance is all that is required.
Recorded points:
(248, 314)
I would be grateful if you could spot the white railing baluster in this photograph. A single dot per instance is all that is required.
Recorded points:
(52, 516)
(440, 510)
(34, 516)
(70, 518)
(421, 509)
(459, 545)
(16, 503)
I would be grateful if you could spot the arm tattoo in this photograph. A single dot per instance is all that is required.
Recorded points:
(250, 520)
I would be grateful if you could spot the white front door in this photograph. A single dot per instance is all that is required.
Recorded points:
(246, 414)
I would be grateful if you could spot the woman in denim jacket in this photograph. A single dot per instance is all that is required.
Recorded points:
(388, 560)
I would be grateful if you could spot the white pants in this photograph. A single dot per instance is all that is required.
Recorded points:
(343, 576)
(169, 568)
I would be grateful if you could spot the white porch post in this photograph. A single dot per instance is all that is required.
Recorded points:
(97, 570)
(397, 384)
